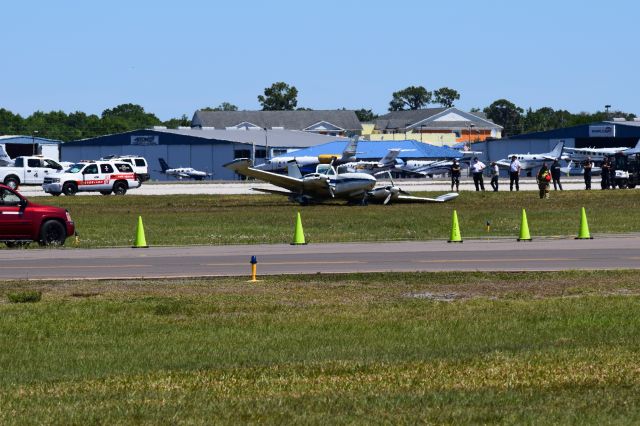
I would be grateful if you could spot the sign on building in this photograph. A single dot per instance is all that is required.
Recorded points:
(145, 140)
(608, 131)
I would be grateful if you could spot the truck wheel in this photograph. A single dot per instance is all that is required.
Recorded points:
(55, 194)
(631, 185)
(119, 188)
(12, 182)
(69, 188)
(52, 233)
(105, 192)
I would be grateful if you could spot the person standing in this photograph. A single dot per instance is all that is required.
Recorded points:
(543, 179)
(476, 169)
(612, 173)
(495, 173)
(514, 173)
(587, 166)
(605, 173)
(555, 175)
(455, 175)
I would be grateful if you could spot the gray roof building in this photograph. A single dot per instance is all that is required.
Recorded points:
(332, 122)
(433, 119)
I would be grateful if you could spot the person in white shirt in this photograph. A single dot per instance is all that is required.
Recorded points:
(476, 170)
(495, 173)
(514, 173)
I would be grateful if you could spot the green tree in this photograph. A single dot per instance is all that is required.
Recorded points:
(446, 97)
(130, 117)
(507, 115)
(224, 106)
(365, 115)
(413, 97)
(279, 97)
(10, 123)
(178, 122)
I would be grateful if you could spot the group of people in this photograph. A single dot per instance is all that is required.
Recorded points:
(544, 178)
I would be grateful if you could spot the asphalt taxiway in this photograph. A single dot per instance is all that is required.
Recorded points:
(621, 252)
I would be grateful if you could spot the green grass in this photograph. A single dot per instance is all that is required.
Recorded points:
(378, 348)
(251, 219)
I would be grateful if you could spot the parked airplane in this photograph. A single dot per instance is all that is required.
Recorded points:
(576, 169)
(318, 187)
(182, 172)
(5, 160)
(387, 162)
(309, 162)
(437, 167)
(597, 154)
(530, 161)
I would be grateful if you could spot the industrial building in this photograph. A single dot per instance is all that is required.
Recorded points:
(616, 133)
(328, 122)
(17, 145)
(203, 149)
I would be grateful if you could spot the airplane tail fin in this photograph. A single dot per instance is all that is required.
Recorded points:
(5, 160)
(350, 149)
(293, 170)
(556, 152)
(163, 165)
(390, 157)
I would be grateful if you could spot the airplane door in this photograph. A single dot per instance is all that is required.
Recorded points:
(15, 222)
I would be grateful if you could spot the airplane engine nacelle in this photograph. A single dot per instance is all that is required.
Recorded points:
(326, 158)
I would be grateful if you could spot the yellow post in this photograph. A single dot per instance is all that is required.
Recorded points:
(254, 270)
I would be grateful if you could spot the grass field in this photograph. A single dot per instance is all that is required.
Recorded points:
(384, 348)
(244, 219)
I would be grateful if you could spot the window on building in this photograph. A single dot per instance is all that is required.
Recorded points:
(242, 153)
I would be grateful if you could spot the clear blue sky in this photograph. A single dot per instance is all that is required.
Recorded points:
(175, 57)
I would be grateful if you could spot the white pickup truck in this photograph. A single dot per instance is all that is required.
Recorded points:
(28, 171)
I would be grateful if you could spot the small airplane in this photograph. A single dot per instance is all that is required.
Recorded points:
(530, 161)
(326, 184)
(387, 162)
(308, 162)
(182, 172)
(597, 154)
(576, 169)
(437, 167)
(5, 160)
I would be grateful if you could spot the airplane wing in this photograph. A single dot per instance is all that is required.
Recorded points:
(272, 191)
(412, 199)
(243, 166)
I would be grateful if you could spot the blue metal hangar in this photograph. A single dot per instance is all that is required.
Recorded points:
(375, 150)
(203, 149)
(604, 134)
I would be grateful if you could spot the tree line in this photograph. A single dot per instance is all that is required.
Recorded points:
(282, 97)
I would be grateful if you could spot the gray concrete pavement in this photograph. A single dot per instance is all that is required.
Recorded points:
(237, 187)
(473, 255)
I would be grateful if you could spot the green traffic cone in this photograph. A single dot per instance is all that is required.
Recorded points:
(298, 236)
(584, 227)
(141, 241)
(455, 236)
(524, 228)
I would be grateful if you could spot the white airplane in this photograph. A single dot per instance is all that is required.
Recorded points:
(318, 187)
(5, 160)
(387, 162)
(182, 172)
(576, 169)
(437, 167)
(530, 161)
(597, 154)
(281, 163)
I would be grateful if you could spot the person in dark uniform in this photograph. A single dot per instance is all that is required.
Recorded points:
(555, 175)
(605, 174)
(612, 173)
(455, 175)
(587, 165)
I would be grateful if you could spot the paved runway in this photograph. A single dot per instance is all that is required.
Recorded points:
(238, 187)
(473, 255)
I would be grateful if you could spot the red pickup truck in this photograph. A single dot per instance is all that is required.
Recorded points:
(22, 221)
